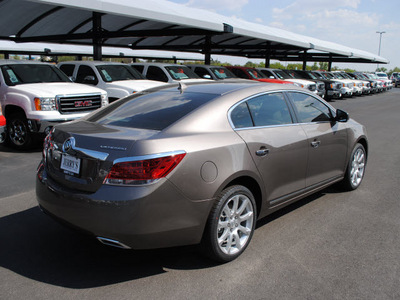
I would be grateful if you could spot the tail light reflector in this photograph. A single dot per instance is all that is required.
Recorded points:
(144, 170)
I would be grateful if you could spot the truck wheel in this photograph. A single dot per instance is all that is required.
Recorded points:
(18, 132)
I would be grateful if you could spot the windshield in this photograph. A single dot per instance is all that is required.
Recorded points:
(181, 72)
(282, 75)
(111, 73)
(32, 73)
(222, 73)
(310, 75)
(381, 75)
(328, 76)
(255, 74)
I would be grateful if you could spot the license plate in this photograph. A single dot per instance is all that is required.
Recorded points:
(70, 163)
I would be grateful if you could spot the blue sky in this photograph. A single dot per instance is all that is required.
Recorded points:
(352, 23)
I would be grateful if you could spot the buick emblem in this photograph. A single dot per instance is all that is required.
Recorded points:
(68, 144)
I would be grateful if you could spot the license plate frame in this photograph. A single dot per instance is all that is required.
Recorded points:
(70, 164)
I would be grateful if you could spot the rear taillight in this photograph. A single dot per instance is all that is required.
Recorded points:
(142, 171)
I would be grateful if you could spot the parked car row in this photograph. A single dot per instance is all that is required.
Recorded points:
(36, 96)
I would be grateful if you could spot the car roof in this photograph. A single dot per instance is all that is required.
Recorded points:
(222, 88)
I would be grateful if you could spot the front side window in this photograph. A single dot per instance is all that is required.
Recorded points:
(240, 116)
(269, 109)
(309, 109)
(15, 74)
(86, 74)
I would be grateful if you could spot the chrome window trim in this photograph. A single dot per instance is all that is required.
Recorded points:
(330, 107)
(149, 156)
(248, 99)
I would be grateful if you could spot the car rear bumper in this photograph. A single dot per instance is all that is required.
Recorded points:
(136, 217)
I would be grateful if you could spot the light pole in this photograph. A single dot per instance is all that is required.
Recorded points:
(380, 40)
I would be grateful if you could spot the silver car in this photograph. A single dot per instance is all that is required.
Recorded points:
(196, 164)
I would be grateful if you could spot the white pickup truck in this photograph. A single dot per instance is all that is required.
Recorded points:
(35, 96)
(118, 79)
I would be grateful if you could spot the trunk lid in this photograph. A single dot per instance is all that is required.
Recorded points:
(79, 154)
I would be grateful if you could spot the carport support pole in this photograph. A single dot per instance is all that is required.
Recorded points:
(97, 40)
(207, 50)
(268, 55)
(330, 63)
(305, 60)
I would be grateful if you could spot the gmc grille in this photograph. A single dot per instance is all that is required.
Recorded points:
(78, 103)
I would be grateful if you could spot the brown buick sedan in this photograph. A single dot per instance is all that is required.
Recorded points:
(196, 164)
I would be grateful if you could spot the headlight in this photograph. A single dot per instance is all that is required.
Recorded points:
(104, 100)
(45, 104)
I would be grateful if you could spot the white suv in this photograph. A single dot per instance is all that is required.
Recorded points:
(35, 96)
(118, 79)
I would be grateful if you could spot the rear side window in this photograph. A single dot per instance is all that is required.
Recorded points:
(309, 109)
(240, 116)
(154, 111)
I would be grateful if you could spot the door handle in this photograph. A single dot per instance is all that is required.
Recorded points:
(262, 152)
(315, 144)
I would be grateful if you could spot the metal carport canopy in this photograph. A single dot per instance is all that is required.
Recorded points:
(161, 25)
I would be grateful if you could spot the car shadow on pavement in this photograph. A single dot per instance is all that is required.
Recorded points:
(35, 246)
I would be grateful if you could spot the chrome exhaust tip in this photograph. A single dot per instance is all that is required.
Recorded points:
(112, 243)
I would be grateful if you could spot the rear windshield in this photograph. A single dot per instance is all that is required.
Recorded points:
(32, 73)
(154, 111)
(111, 73)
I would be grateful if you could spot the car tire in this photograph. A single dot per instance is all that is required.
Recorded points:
(230, 225)
(355, 168)
(18, 133)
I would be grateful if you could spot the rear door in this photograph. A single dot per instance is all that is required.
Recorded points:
(327, 139)
(278, 146)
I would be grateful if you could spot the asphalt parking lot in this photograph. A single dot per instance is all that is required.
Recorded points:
(332, 245)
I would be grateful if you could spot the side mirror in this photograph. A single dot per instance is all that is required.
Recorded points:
(341, 116)
(207, 76)
(271, 77)
(72, 78)
(89, 79)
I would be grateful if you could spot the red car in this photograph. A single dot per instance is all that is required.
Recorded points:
(2, 127)
(253, 74)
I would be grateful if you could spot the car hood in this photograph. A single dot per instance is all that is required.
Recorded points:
(51, 89)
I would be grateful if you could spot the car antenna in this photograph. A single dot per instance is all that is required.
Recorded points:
(182, 87)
